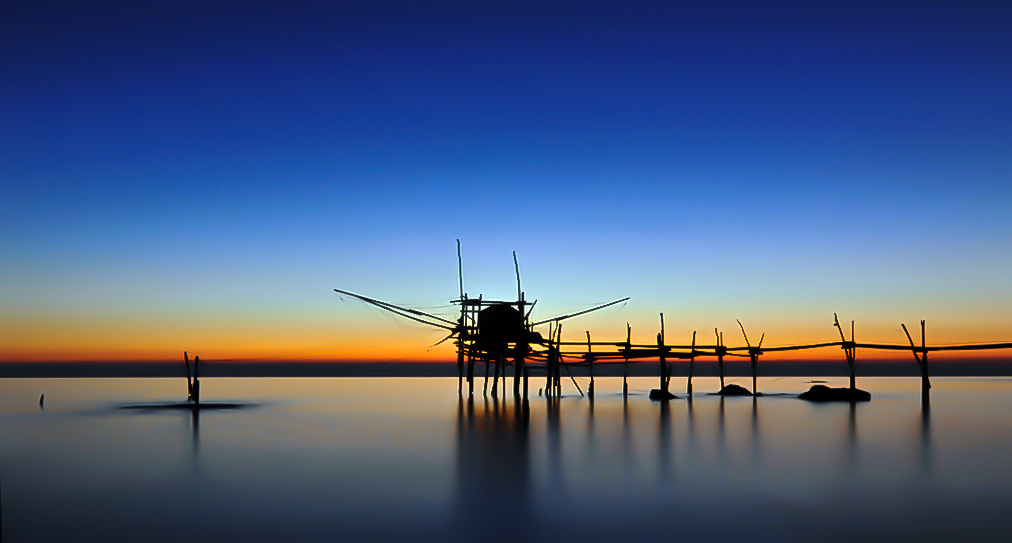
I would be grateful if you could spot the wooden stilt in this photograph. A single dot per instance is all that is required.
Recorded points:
(663, 366)
(754, 359)
(470, 374)
(495, 376)
(922, 359)
(590, 364)
(460, 363)
(550, 362)
(853, 359)
(721, 351)
(196, 380)
(526, 372)
(484, 388)
(692, 363)
(558, 360)
(848, 349)
(925, 381)
(625, 364)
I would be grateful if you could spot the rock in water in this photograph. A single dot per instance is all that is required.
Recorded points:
(822, 393)
(734, 390)
(658, 394)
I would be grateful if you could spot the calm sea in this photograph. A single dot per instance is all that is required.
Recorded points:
(390, 459)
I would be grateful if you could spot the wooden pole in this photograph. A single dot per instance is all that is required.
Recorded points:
(852, 358)
(550, 361)
(692, 363)
(558, 360)
(720, 356)
(590, 364)
(189, 383)
(460, 360)
(625, 364)
(521, 354)
(196, 380)
(663, 359)
(925, 381)
(754, 359)
(470, 372)
(496, 363)
(484, 386)
(922, 359)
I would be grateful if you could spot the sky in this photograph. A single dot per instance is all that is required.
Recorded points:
(200, 175)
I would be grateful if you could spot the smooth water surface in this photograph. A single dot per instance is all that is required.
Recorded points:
(392, 459)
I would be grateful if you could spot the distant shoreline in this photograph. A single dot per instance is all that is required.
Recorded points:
(210, 368)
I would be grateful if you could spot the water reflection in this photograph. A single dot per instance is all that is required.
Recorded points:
(852, 437)
(926, 452)
(493, 470)
(351, 459)
(195, 441)
(664, 439)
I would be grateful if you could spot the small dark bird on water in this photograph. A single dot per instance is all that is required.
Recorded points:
(42, 401)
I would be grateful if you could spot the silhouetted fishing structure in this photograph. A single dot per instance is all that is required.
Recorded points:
(502, 332)
(192, 383)
(192, 402)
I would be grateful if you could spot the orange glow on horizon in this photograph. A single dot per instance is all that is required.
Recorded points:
(379, 338)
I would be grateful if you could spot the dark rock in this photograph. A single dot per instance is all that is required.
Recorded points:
(658, 394)
(734, 390)
(822, 393)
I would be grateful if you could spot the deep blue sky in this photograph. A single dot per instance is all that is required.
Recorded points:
(712, 159)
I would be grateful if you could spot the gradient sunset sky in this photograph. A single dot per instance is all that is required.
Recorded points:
(200, 175)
